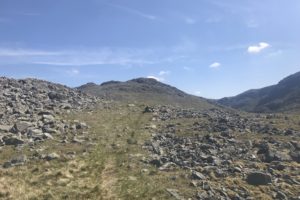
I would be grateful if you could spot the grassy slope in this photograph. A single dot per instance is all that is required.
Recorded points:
(110, 169)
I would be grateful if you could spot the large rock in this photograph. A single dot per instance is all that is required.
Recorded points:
(56, 96)
(258, 178)
(20, 127)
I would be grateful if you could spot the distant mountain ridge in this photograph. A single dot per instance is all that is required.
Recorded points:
(282, 97)
(144, 90)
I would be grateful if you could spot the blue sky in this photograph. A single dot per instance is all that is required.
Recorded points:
(211, 48)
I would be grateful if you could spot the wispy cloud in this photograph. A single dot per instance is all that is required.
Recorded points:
(187, 68)
(213, 19)
(254, 49)
(6, 52)
(232, 7)
(163, 73)
(252, 23)
(190, 21)
(121, 56)
(133, 11)
(215, 65)
(185, 45)
(99, 56)
(96, 61)
(73, 72)
(275, 53)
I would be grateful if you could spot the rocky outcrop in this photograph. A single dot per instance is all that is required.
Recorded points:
(30, 110)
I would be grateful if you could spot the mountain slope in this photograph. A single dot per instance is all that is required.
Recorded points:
(282, 97)
(144, 90)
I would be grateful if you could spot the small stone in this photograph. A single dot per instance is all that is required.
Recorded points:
(145, 171)
(52, 156)
(237, 169)
(156, 162)
(48, 118)
(194, 183)
(198, 175)
(47, 136)
(77, 140)
(174, 193)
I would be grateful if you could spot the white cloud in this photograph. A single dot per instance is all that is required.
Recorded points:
(161, 76)
(215, 65)
(156, 78)
(258, 48)
(162, 73)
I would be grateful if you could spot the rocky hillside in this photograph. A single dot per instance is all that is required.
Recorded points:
(59, 143)
(283, 97)
(30, 110)
(145, 90)
(226, 150)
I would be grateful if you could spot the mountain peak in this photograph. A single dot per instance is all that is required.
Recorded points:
(144, 80)
(147, 91)
(109, 83)
(292, 79)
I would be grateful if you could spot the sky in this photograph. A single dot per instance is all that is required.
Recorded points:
(209, 48)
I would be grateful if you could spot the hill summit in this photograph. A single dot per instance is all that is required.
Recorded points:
(145, 90)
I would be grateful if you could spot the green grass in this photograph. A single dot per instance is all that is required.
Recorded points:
(109, 166)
